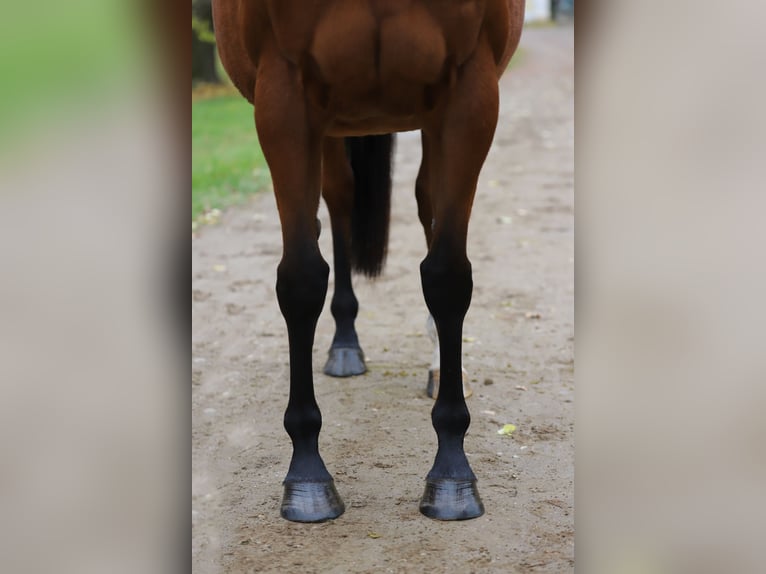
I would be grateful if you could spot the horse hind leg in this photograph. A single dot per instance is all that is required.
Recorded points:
(292, 150)
(357, 190)
(345, 357)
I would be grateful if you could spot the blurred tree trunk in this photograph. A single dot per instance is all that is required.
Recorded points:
(203, 46)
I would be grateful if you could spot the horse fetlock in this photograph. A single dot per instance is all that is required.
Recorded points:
(450, 419)
(344, 305)
(303, 422)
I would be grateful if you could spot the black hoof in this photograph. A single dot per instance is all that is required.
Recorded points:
(345, 362)
(449, 499)
(311, 502)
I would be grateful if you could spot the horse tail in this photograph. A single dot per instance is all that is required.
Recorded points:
(370, 158)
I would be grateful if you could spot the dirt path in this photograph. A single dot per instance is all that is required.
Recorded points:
(377, 439)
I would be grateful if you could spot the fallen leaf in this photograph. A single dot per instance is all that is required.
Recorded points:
(373, 535)
(507, 429)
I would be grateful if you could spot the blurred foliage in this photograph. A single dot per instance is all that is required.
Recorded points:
(203, 30)
(57, 54)
(204, 53)
(227, 162)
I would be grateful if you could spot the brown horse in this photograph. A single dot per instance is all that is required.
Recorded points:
(331, 80)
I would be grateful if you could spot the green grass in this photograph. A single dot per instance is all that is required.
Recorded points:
(227, 162)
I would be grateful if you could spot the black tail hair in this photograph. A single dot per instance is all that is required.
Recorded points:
(370, 158)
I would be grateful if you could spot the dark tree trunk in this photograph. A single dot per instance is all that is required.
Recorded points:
(203, 61)
(203, 52)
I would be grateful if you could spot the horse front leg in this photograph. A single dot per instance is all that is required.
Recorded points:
(459, 139)
(345, 357)
(291, 146)
(425, 214)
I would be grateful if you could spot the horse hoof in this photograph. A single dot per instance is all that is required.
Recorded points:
(345, 362)
(311, 502)
(432, 387)
(450, 499)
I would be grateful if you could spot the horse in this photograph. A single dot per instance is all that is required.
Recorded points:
(331, 81)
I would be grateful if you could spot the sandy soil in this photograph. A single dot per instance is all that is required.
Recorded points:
(377, 438)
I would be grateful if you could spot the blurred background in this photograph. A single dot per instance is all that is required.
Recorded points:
(93, 189)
